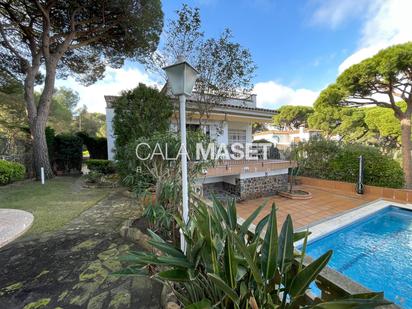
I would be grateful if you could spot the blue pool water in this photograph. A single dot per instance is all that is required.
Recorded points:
(376, 252)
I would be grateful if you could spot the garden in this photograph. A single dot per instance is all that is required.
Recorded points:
(112, 234)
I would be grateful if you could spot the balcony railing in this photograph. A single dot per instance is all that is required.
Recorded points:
(237, 167)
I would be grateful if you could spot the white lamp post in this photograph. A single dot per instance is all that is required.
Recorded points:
(181, 77)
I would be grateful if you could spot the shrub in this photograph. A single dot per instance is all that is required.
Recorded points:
(140, 112)
(104, 167)
(11, 171)
(97, 146)
(225, 267)
(324, 159)
(67, 154)
(94, 177)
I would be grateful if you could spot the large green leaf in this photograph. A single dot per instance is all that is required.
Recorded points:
(220, 210)
(142, 259)
(300, 235)
(231, 211)
(245, 226)
(249, 259)
(167, 248)
(230, 264)
(260, 226)
(270, 247)
(203, 304)
(285, 248)
(173, 261)
(224, 287)
(303, 279)
(177, 275)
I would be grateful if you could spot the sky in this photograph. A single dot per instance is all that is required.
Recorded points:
(299, 46)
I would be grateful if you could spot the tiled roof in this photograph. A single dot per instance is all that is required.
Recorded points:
(110, 100)
(286, 132)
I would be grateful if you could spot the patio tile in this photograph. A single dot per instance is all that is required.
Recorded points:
(325, 202)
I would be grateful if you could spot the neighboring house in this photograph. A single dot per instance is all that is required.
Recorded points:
(284, 139)
(227, 122)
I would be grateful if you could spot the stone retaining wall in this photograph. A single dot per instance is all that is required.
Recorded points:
(256, 187)
(250, 188)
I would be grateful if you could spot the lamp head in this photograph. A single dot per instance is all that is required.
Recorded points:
(181, 77)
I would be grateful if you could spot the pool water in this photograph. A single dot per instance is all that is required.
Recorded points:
(376, 252)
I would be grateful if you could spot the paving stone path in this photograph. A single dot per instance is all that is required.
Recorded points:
(72, 268)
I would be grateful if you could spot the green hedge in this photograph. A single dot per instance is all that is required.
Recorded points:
(67, 153)
(11, 171)
(336, 161)
(97, 146)
(102, 166)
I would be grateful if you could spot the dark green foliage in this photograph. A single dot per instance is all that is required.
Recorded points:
(291, 117)
(225, 266)
(157, 170)
(324, 159)
(94, 177)
(101, 166)
(139, 113)
(11, 171)
(383, 80)
(72, 38)
(97, 146)
(124, 29)
(68, 153)
(50, 135)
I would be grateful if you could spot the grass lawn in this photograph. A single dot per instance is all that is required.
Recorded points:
(53, 204)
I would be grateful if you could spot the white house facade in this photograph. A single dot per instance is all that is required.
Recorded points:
(226, 122)
(284, 139)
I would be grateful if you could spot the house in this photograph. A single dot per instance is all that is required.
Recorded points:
(284, 139)
(229, 121)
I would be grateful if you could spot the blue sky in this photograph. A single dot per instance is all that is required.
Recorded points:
(299, 46)
(286, 42)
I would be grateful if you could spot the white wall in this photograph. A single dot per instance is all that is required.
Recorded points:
(110, 133)
(282, 138)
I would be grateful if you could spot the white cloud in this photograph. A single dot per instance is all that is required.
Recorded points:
(115, 81)
(273, 95)
(335, 12)
(387, 22)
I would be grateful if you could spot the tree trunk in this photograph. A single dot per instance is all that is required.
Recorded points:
(40, 151)
(406, 149)
(38, 117)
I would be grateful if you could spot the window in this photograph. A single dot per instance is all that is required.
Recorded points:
(237, 136)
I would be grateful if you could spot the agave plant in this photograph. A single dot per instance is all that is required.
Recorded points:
(225, 266)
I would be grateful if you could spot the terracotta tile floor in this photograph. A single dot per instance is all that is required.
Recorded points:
(324, 204)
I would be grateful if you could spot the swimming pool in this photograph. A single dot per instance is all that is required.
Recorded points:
(375, 251)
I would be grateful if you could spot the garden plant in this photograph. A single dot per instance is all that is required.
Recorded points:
(225, 266)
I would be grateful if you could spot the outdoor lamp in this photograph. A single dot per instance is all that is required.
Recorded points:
(181, 78)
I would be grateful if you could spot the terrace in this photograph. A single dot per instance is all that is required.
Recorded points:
(237, 167)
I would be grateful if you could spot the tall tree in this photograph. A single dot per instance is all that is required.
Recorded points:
(225, 67)
(291, 117)
(12, 113)
(76, 37)
(381, 80)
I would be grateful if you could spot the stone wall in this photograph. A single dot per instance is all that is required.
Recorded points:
(255, 187)
(251, 188)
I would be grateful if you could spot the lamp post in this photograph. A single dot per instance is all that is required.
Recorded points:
(181, 77)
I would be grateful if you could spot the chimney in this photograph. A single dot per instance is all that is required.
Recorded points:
(253, 97)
